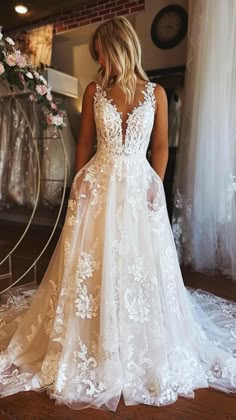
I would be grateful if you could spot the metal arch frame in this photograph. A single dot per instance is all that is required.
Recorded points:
(8, 256)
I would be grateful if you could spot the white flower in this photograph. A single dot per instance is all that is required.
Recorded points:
(49, 96)
(43, 80)
(29, 75)
(1, 35)
(10, 41)
(57, 120)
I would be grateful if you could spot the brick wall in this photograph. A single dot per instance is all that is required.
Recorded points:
(97, 11)
(94, 12)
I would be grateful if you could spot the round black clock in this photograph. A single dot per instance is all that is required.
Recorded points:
(169, 26)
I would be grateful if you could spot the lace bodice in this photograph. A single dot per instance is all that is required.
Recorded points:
(110, 137)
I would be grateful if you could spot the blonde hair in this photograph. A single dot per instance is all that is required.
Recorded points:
(120, 46)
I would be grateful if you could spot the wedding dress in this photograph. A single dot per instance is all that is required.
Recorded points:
(112, 315)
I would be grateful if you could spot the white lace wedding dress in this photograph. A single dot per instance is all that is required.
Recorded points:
(112, 314)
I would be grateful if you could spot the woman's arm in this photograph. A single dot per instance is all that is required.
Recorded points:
(159, 137)
(87, 133)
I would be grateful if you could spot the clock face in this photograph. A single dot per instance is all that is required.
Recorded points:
(169, 26)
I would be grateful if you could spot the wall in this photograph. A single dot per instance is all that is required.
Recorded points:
(96, 12)
(153, 57)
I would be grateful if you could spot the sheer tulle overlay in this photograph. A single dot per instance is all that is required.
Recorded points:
(112, 315)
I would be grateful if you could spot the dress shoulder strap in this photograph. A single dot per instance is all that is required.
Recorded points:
(149, 93)
(98, 93)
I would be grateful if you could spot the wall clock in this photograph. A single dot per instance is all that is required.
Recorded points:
(169, 26)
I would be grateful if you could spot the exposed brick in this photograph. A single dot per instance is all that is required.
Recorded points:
(60, 30)
(131, 4)
(81, 19)
(92, 15)
(85, 22)
(101, 13)
(100, 7)
(122, 12)
(109, 16)
(97, 19)
(59, 26)
(90, 6)
(73, 25)
(96, 8)
(121, 2)
(84, 13)
(136, 9)
(110, 5)
(76, 14)
(117, 8)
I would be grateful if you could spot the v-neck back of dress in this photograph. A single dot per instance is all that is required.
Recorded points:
(117, 132)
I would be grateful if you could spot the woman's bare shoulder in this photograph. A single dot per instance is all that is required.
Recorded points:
(90, 89)
(160, 94)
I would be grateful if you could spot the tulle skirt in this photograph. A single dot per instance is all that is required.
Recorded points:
(111, 315)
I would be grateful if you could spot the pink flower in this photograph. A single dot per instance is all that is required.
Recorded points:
(11, 60)
(21, 61)
(31, 97)
(2, 69)
(53, 106)
(36, 75)
(41, 89)
(49, 119)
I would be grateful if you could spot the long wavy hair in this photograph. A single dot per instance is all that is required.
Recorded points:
(120, 46)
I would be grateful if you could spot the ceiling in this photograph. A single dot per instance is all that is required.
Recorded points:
(38, 9)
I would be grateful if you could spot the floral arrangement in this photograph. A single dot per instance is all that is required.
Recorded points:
(22, 75)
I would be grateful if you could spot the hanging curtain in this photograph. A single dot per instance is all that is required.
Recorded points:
(204, 221)
(36, 44)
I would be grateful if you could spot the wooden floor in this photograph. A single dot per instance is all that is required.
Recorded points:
(207, 404)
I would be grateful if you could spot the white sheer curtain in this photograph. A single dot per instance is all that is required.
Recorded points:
(204, 221)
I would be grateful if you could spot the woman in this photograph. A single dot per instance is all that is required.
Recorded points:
(112, 315)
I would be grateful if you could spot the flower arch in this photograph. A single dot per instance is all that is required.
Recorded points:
(18, 73)
(15, 70)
